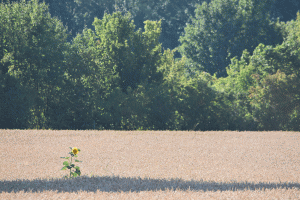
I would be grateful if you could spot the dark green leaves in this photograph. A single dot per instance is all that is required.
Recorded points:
(221, 30)
(69, 165)
(32, 46)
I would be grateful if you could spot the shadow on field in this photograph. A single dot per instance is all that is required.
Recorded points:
(123, 184)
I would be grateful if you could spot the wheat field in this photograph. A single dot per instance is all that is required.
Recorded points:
(150, 165)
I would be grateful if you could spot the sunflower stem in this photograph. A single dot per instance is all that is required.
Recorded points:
(70, 165)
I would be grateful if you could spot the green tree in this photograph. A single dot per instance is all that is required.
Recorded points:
(262, 90)
(32, 46)
(173, 13)
(78, 14)
(275, 99)
(221, 30)
(64, 11)
(234, 91)
(136, 55)
(116, 65)
(189, 103)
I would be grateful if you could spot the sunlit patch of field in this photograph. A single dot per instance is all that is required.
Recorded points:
(150, 165)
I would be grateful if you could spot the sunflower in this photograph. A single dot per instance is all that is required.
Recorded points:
(75, 150)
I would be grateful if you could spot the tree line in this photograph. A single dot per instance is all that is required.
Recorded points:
(233, 66)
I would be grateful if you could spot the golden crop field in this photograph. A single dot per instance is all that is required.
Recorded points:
(150, 165)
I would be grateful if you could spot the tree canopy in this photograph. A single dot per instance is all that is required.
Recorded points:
(264, 88)
(117, 75)
(221, 30)
(32, 46)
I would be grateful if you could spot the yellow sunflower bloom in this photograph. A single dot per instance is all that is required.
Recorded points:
(75, 150)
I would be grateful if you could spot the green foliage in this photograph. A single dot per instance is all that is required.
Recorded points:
(31, 48)
(173, 13)
(192, 102)
(221, 30)
(275, 99)
(116, 77)
(80, 14)
(134, 54)
(69, 165)
(285, 9)
(262, 90)
(119, 65)
(234, 89)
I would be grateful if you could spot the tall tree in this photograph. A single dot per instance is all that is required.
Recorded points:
(32, 46)
(135, 54)
(188, 103)
(114, 61)
(77, 14)
(222, 29)
(174, 15)
(263, 89)
(64, 11)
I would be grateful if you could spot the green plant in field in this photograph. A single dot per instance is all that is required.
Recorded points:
(68, 165)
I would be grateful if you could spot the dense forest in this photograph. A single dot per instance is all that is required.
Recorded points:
(150, 65)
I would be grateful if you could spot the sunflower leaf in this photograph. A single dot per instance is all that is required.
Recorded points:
(64, 168)
(77, 168)
(66, 163)
(78, 172)
(77, 161)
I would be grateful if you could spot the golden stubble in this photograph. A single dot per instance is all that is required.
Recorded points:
(151, 164)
